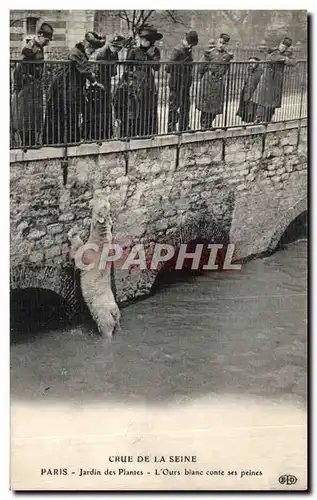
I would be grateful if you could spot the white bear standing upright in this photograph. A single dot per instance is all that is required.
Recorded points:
(96, 283)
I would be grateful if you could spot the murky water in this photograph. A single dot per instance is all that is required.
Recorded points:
(239, 333)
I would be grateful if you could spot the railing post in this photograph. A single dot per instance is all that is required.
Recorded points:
(227, 82)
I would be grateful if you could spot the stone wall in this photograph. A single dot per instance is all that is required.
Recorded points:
(69, 27)
(239, 184)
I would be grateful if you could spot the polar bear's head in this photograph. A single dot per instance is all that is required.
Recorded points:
(101, 213)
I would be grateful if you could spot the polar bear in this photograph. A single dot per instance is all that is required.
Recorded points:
(96, 283)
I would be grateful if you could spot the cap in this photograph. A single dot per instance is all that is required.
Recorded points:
(192, 37)
(287, 41)
(118, 41)
(46, 30)
(95, 40)
(225, 37)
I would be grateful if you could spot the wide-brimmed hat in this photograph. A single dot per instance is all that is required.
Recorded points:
(118, 41)
(95, 40)
(150, 33)
(46, 30)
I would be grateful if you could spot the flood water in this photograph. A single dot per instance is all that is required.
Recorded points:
(240, 333)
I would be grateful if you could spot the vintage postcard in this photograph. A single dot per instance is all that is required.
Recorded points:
(158, 255)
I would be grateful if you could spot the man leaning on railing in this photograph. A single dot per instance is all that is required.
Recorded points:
(66, 99)
(98, 110)
(27, 98)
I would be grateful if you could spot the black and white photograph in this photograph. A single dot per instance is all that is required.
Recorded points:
(158, 250)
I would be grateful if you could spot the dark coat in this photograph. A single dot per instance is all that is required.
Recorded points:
(212, 83)
(270, 88)
(126, 104)
(98, 104)
(181, 75)
(27, 98)
(147, 121)
(66, 98)
(247, 108)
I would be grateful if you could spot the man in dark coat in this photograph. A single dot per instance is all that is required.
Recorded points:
(247, 108)
(145, 52)
(268, 94)
(66, 99)
(180, 70)
(27, 99)
(98, 108)
(212, 84)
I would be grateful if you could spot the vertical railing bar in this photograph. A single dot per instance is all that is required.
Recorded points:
(64, 106)
(227, 82)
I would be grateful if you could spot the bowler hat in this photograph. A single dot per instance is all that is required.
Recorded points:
(150, 33)
(95, 40)
(46, 30)
(192, 37)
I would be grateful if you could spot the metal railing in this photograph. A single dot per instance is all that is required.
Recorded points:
(52, 103)
(239, 53)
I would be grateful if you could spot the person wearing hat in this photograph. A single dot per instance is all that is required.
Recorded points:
(269, 91)
(211, 96)
(68, 92)
(180, 70)
(248, 108)
(98, 109)
(27, 100)
(146, 123)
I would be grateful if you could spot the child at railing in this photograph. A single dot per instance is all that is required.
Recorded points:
(248, 108)
(126, 104)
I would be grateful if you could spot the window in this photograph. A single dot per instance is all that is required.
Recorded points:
(31, 23)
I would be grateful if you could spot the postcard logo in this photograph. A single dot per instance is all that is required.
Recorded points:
(155, 256)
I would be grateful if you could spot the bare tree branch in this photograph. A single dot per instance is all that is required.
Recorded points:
(239, 18)
(146, 17)
(172, 15)
(139, 19)
(128, 20)
(133, 19)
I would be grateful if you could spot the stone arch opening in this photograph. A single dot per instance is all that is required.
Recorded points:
(34, 311)
(203, 231)
(297, 229)
(292, 225)
(59, 281)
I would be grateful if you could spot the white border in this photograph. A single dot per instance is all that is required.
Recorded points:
(4, 184)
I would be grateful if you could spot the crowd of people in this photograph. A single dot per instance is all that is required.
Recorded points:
(81, 104)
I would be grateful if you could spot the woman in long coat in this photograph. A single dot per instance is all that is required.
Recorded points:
(147, 120)
(212, 84)
(27, 98)
(66, 99)
(248, 108)
(268, 94)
